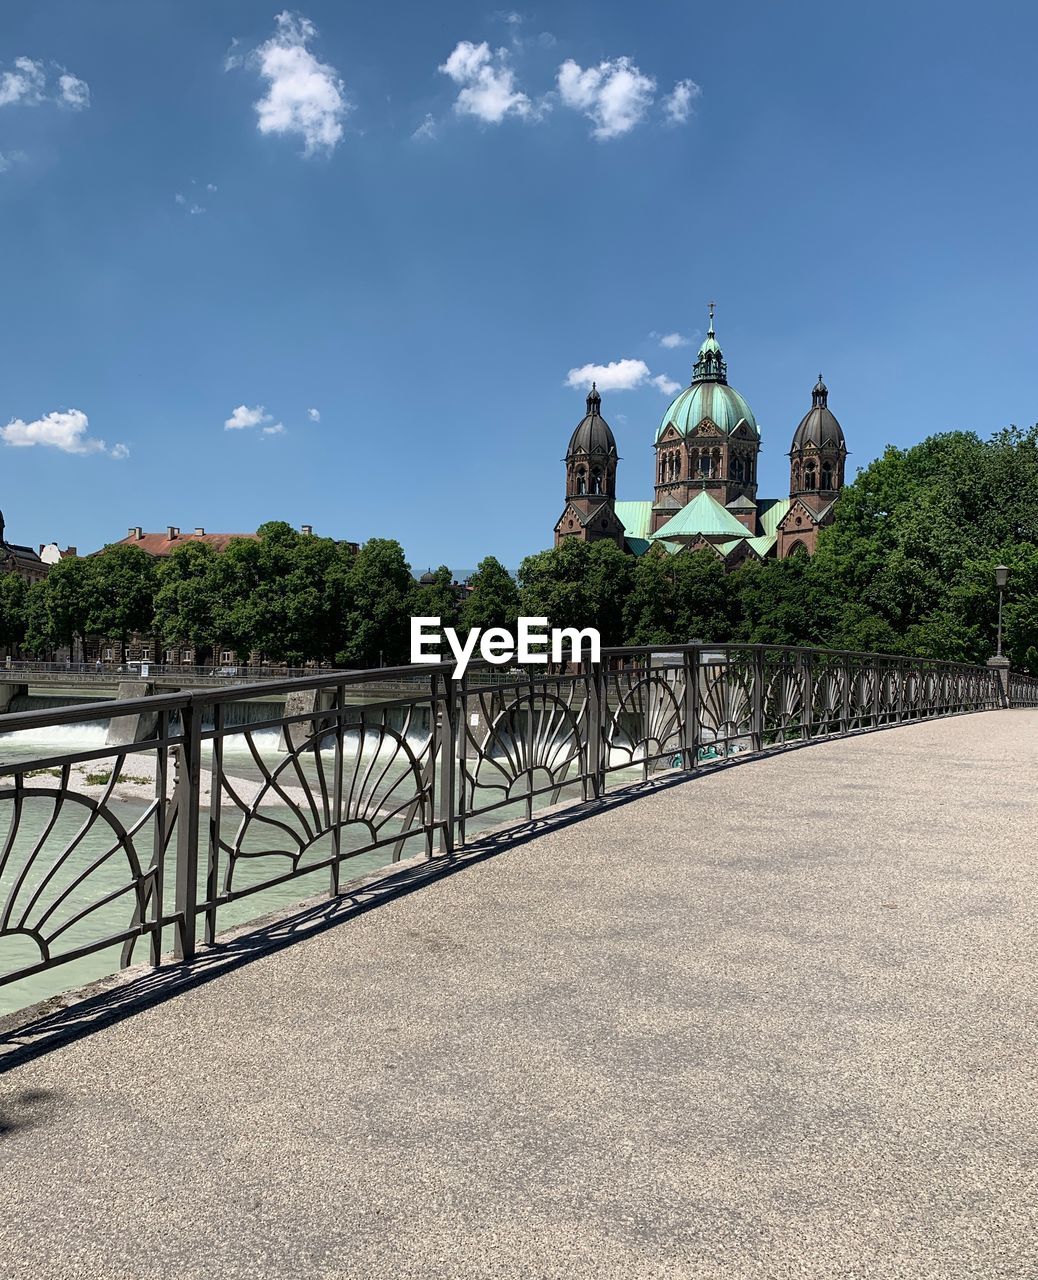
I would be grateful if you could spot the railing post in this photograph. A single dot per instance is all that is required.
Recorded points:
(461, 736)
(188, 780)
(449, 718)
(846, 666)
(808, 701)
(337, 767)
(876, 691)
(597, 690)
(757, 700)
(690, 746)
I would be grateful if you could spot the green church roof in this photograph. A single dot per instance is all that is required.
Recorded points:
(705, 515)
(770, 512)
(722, 404)
(636, 518)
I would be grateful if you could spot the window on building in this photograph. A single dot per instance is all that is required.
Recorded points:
(108, 655)
(226, 655)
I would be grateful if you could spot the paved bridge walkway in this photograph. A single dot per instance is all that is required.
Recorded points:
(778, 1021)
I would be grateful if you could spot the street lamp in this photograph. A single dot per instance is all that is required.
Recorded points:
(1001, 578)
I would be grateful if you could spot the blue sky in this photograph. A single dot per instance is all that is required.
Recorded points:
(359, 210)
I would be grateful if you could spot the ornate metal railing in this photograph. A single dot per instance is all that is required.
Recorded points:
(107, 849)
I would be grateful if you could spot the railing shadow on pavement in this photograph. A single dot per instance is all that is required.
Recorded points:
(31, 1033)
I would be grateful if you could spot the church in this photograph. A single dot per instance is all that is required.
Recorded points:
(706, 476)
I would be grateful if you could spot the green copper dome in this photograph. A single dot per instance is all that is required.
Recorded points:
(709, 396)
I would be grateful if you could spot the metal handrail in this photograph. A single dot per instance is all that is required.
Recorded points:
(418, 760)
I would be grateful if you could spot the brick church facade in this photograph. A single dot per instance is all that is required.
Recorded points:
(705, 495)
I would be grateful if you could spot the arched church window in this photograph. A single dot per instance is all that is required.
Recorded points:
(581, 482)
(827, 477)
(596, 483)
(809, 478)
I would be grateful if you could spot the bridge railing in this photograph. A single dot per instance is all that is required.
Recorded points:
(110, 855)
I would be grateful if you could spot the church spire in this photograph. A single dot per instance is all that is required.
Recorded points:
(820, 394)
(710, 365)
(594, 401)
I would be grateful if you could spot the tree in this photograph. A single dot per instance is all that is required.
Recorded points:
(39, 637)
(13, 590)
(493, 597)
(553, 585)
(379, 590)
(62, 611)
(650, 612)
(186, 599)
(437, 599)
(122, 591)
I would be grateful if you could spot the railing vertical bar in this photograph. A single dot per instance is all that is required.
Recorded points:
(446, 712)
(159, 831)
(757, 701)
(212, 879)
(335, 872)
(188, 783)
(461, 738)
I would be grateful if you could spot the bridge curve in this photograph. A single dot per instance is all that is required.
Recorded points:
(777, 1019)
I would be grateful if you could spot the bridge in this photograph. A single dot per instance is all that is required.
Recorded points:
(749, 1013)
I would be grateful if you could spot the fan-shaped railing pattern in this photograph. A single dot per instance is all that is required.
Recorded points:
(522, 741)
(645, 719)
(105, 848)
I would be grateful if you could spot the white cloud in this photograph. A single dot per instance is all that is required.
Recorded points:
(671, 340)
(620, 375)
(677, 105)
(488, 89)
(180, 199)
(75, 93)
(24, 85)
(614, 95)
(210, 186)
(196, 208)
(304, 96)
(314, 415)
(427, 130)
(277, 429)
(244, 417)
(64, 429)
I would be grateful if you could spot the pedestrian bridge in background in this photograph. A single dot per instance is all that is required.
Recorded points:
(775, 1019)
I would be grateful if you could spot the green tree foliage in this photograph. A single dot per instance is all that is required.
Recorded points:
(186, 602)
(13, 592)
(379, 590)
(60, 606)
(493, 597)
(578, 584)
(438, 599)
(121, 584)
(39, 639)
